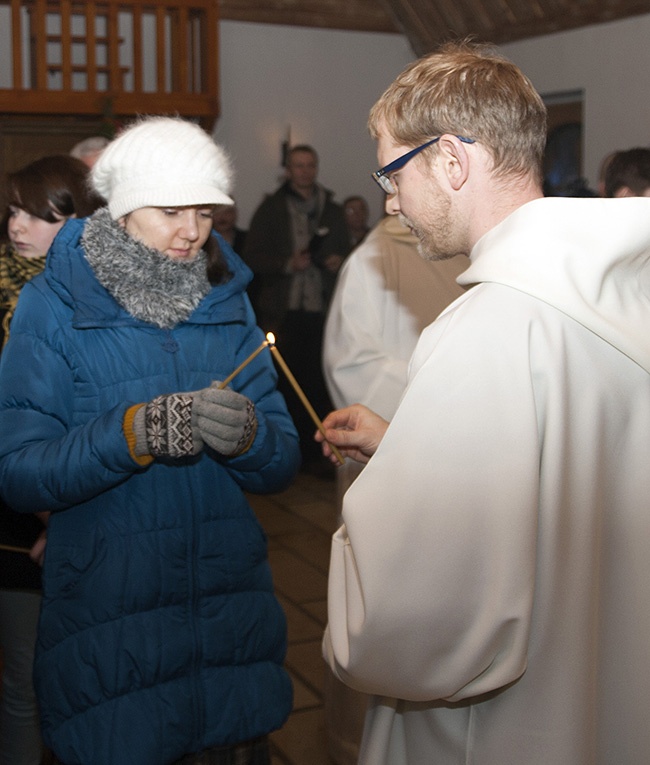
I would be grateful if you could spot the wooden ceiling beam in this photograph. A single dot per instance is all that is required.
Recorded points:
(360, 15)
(418, 28)
(571, 17)
(428, 23)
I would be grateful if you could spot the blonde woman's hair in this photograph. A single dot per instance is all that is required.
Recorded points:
(467, 89)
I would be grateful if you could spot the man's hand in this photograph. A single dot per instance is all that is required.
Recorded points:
(356, 431)
(333, 263)
(300, 261)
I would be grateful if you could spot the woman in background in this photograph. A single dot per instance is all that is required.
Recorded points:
(160, 639)
(42, 196)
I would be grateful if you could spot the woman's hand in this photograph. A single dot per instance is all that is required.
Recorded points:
(356, 431)
(37, 552)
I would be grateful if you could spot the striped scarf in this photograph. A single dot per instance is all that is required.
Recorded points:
(15, 272)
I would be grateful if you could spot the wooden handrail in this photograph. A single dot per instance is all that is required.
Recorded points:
(132, 56)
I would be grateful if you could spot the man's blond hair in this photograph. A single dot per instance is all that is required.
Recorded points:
(467, 89)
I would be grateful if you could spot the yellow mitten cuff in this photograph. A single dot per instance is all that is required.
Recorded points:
(131, 439)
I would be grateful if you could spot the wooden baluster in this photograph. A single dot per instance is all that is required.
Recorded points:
(192, 51)
(197, 50)
(160, 49)
(91, 47)
(138, 52)
(210, 61)
(65, 17)
(115, 84)
(179, 53)
(39, 46)
(16, 44)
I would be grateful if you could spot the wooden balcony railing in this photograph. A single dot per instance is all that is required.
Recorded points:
(79, 57)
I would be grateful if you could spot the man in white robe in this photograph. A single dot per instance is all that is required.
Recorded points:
(385, 295)
(489, 584)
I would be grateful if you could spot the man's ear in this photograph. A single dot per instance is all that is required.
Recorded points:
(455, 160)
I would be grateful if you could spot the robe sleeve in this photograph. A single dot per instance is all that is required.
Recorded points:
(359, 364)
(432, 574)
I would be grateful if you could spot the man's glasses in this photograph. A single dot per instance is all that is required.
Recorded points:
(382, 176)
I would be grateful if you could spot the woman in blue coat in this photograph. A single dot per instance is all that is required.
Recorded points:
(160, 639)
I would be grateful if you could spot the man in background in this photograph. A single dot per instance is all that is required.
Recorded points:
(296, 242)
(89, 149)
(385, 295)
(356, 216)
(628, 174)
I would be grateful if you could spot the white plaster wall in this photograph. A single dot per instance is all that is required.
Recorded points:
(611, 64)
(322, 84)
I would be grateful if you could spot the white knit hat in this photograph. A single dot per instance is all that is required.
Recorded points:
(162, 162)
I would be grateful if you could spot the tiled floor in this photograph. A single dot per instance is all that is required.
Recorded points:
(299, 523)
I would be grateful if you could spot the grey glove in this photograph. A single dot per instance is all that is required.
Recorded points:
(164, 427)
(226, 420)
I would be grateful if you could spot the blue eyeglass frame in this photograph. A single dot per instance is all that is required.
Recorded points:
(381, 175)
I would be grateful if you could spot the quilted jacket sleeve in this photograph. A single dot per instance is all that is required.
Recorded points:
(47, 460)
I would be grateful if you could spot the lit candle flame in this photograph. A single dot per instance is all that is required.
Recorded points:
(270, 337)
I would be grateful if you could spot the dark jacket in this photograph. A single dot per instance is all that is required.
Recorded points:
(160, 633)
(17, 571)
(269, 246)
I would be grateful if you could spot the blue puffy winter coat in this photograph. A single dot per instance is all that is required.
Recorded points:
(160, 634)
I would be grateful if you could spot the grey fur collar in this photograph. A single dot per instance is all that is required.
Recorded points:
(148, 284)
